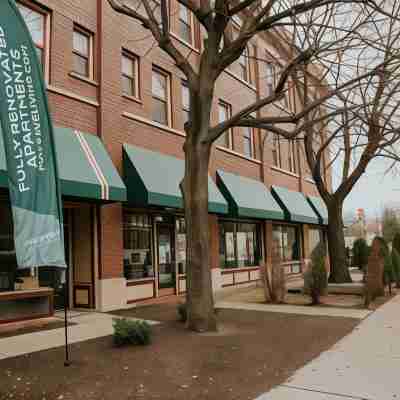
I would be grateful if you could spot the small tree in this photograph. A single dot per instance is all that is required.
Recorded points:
(396, 266)
(390, 225)
(360, 253)
(388, 273)
(274, 280)
(373, 286)
(316, 278)
(396, 242)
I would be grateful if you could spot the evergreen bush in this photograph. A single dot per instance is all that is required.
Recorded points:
(360, 254)
(129, 332)
(388, 273)
(396, 266)
(316, 277)
(182, 312)
(396, 242)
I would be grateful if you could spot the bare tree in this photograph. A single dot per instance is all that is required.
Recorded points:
(285, 21)
(360, 123)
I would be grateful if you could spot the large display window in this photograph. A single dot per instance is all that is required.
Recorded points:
(138, 245)
(287, 239)
(240, 244)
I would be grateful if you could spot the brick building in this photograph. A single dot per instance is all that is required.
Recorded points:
(119, 104)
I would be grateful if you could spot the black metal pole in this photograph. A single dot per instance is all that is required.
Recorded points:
(67, 362)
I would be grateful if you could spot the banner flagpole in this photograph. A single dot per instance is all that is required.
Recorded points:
(30, 149)
(67, 362)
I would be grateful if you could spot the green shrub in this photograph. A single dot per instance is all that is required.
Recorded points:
(182, 312)
(127, 331)
(388, 273)
(396, 242)
(360, 254)
(316, 277)
(396, 266)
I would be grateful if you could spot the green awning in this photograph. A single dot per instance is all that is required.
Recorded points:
(153, 179)
(319, 207)
(295, 205)
(85, 168)
(247, 197)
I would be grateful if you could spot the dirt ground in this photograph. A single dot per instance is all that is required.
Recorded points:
(253, 352)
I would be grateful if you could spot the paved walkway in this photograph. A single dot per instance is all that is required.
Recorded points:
(88, 325)
(365, 365)
(291, 309)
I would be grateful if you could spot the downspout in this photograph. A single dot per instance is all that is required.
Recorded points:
(99, 62)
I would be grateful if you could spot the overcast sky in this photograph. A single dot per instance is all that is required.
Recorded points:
(374, 190)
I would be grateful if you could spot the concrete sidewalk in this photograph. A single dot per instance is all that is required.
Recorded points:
(364, 365)
(88, 325)
(292, 309)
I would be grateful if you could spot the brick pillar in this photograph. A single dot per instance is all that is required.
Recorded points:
(111, 287)
(268, 243)
(306, 247)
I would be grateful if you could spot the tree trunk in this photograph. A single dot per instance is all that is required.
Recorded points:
(337, 248)
(200, 302)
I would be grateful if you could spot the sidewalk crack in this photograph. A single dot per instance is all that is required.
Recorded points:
(344, 396)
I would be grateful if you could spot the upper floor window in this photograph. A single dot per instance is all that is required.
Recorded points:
(224, 113)
(160, 94)
(36, 23)
(276, 151)
(185, 101)
(270, 78)
(129, 74)
(185, 24)
(82, 52)
(292, 156)
(248, 141)
(245, 65)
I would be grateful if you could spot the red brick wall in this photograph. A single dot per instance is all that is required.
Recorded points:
(97, 106)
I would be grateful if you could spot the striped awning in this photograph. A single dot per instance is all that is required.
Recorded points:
(85, 168)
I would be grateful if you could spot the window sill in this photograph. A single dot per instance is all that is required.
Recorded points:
(184, 42)
(152, 123)
(284, 171)
(229, 151)
(83, 79)
(241, 269)
(72, 95)
(139, 281)
(132, 98)
(238, 78)
(295, 262)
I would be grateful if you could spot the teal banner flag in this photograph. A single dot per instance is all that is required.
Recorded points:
(29, 146)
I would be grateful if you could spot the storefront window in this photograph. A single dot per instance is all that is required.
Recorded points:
(287, 238)
(138, 259)
(12, 278)
(239, 245)
(181, 245)
(8, 260)
(315, 236)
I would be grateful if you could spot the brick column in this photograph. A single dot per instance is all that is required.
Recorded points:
(306, 247)
(268, 243)
(111, 287)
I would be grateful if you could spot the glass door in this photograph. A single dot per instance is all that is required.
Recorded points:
(166, 260)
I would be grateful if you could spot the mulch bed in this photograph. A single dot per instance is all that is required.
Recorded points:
(253, 352)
